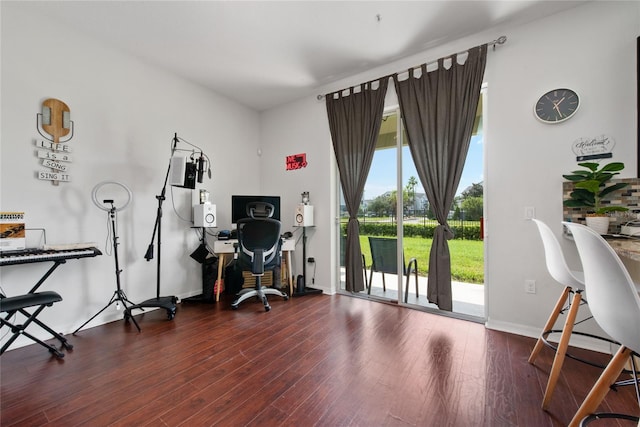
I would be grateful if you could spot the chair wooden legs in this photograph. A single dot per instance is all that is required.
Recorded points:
(549, 325)
(601, 387)
(561, 351)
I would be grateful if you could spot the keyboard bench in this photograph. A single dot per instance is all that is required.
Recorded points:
(19, 303)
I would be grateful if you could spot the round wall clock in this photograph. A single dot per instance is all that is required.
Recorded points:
(556, 106)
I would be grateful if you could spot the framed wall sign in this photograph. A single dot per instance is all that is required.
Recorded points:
(296, 161)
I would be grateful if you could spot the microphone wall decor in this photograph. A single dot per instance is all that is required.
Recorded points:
(55, 121)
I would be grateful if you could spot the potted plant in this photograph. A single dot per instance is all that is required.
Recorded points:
(590, 188)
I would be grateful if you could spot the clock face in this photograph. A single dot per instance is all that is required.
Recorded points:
(556, 106)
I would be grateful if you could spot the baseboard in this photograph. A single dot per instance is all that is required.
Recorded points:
(578, 341)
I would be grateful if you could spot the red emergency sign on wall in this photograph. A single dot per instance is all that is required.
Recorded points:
(296, 161)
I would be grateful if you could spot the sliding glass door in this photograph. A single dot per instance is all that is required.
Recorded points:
(381, 212)
(395, 207)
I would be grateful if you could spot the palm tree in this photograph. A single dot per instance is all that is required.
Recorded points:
(411, 190)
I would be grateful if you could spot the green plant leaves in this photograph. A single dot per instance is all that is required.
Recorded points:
(590, 186)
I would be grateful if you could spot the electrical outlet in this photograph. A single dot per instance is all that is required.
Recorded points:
(529, 212)
(530, 286)
(311, 260)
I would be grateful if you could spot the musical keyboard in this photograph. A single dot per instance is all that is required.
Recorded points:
(25, 256)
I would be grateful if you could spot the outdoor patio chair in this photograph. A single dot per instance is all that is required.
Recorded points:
(343, 248)
(385, 260)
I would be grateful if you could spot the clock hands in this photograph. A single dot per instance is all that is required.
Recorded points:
(556, 106)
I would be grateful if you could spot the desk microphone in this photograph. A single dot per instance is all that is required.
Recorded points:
(200, 167)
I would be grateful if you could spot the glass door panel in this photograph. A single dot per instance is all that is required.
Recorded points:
(394, 199)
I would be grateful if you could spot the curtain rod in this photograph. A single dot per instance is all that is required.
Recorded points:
(493, 43)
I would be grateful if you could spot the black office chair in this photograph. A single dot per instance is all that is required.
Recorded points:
(11, 306)
(259, 250)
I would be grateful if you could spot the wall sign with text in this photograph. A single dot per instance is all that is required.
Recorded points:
(599, 147)
(54, 124)
(296, 161)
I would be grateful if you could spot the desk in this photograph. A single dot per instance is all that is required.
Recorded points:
(224, 247)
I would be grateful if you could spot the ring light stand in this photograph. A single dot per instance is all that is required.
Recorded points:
(119, 297)
(101, 205)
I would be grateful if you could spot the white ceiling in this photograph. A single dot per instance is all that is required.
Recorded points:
(266, 53)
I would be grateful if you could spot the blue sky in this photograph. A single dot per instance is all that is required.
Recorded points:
(382, 176)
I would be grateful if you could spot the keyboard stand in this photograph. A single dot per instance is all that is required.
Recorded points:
(46, 275)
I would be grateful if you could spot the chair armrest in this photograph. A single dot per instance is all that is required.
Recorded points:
(258, 262)
(364, 268)
(414, 262)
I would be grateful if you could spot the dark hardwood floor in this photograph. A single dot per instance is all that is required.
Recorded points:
(313, 360)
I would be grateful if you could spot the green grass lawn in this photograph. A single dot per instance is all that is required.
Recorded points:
(467, 257)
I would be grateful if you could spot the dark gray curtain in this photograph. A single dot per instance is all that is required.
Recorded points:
(438, 109)
(354, 122)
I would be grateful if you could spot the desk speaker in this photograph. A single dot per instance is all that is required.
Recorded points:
(303, 216)
(204, 215)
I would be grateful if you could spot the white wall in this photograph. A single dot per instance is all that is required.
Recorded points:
(302, 128)
(590, 49)
(125, 113)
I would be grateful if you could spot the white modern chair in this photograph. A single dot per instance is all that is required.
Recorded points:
(615, 305)
(573, 284)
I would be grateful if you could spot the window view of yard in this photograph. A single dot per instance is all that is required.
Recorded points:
(467, 255)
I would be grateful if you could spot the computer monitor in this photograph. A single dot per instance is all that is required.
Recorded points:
(239, 206)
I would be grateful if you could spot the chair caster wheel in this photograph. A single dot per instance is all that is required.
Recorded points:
(267, 308)
(171, 314)
(234, 307)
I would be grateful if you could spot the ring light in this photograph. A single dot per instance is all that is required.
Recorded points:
(94, 195)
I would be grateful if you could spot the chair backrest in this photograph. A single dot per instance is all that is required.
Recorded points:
(555, 260)
(259, 235)
(613, 299)
(384, 256)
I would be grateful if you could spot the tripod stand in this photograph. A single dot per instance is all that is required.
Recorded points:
(119, 295)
